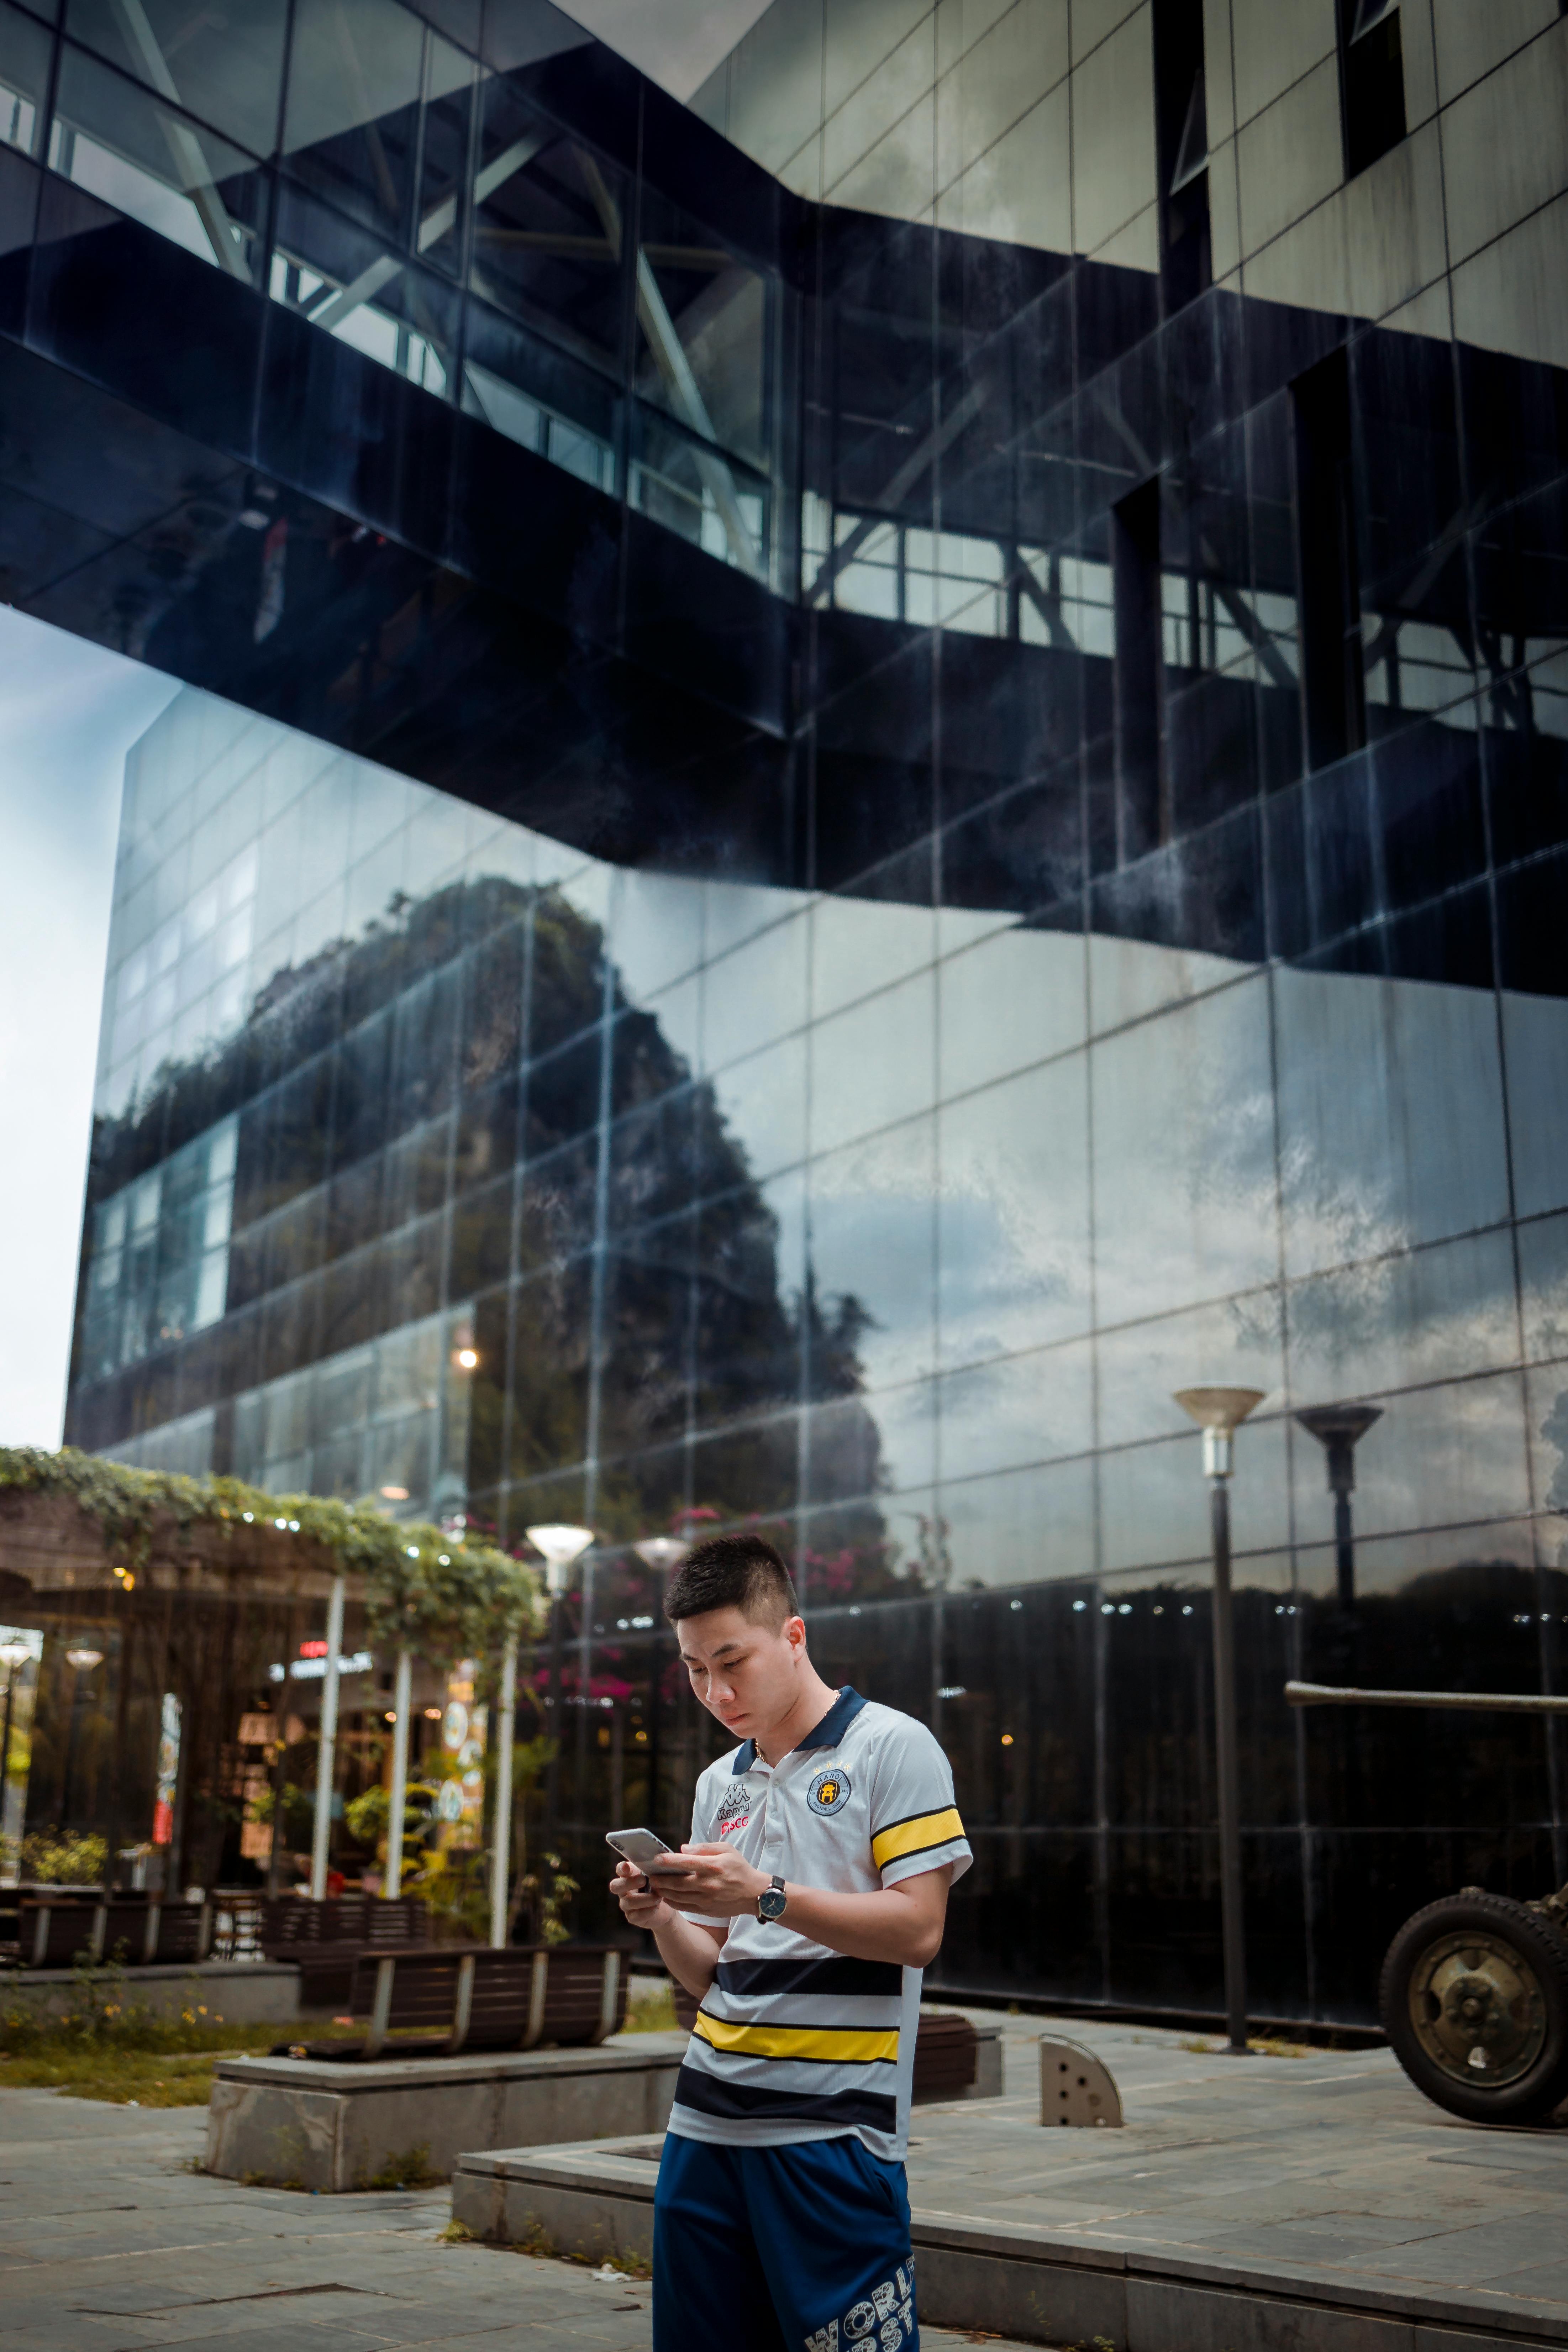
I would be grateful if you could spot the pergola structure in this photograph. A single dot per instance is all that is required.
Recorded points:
(156, 1560)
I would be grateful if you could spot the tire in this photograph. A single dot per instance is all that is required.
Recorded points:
(1479, 1973)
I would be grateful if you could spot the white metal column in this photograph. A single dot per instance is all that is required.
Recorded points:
(500, 1851)
(402, 1702)
(326, 1752)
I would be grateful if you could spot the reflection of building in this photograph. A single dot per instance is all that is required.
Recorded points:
(989, 720)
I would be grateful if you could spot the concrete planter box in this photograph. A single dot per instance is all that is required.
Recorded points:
(241, 1992)
(311, 2124)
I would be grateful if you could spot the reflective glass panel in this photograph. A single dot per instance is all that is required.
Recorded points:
(688, 486)
(138, 154)
(702, 320)
(519, 386)
(355, 78)
(225, 65)
(449, 80)
(23, 81)
(549, 225)
(341, 280)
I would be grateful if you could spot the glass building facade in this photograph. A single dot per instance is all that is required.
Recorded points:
(864, 783)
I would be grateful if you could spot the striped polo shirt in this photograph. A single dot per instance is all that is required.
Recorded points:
(794, 2042)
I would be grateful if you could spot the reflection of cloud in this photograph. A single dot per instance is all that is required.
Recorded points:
(870, 1238)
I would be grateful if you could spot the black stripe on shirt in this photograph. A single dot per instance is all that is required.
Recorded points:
(709, 2094)
(751, 1979)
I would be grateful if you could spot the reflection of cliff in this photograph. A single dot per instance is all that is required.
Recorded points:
(626, 1290)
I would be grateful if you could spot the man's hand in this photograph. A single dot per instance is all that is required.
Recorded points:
(714, 1880)
(642, 1905)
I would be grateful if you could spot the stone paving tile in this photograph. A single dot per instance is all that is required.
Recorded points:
(107, 2245)
(1331, 2166)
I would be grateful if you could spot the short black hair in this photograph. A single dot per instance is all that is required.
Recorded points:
(733, 1572)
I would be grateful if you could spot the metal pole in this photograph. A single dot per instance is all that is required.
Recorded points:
(69, 1775)
(326, 1746)
(5, 1759)
(500, 1854)
(1493, 1702)
(1232, 1929)
(1344, 1551)
(280, 1786)
(280, 1767)
(402, 1702)
(117, 1765)
(552, 1772)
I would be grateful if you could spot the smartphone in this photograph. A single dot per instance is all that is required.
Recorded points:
(637, 1846)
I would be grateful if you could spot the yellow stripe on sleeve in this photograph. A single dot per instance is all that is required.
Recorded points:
(825, 2042)
(913, 1836)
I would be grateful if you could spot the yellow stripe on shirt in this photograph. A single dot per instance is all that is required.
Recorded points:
(825, 2042)
(913, 1836)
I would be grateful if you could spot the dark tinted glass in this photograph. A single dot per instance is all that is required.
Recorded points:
(225, 68)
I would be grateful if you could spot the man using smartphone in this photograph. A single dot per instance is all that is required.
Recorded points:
(810, 1895)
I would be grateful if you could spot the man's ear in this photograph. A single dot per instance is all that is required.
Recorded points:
(795, 1633)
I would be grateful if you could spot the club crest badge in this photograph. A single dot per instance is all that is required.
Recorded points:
(828, 1793)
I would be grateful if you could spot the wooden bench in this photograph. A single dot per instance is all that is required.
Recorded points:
(448, 2001)
(54, 1931)
(288, 1920)
(326, 1939)
(947, 2056)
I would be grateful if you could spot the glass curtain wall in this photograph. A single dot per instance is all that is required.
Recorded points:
(413, 196)
(890, 1229)
(1124, 956)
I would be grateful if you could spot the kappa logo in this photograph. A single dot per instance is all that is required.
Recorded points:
(735, 1811)
(829, 1792)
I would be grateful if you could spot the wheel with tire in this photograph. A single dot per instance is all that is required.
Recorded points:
(1474, 1997)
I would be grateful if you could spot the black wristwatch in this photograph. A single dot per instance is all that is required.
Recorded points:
(771, 1900)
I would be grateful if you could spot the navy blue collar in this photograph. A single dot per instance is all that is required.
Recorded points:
(836, 1721)
(827, 1734)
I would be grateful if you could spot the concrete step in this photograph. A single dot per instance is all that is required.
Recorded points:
(1038, 2285)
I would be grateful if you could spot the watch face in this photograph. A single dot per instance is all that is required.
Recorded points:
(771, 1905)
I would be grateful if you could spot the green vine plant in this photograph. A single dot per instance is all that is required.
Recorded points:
(443, 1597)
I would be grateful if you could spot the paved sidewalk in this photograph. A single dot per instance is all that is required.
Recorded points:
(108, 2244)
(1328, 2169)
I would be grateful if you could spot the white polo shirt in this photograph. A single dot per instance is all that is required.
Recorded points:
(795, 2041)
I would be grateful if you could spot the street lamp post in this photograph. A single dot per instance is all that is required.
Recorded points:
(1219, 1413)
(326, 1746)
(663, 1555)
(559, 1547)
(82, 1661)
(1339, 1430)
(501, 1844)
(402, 1708)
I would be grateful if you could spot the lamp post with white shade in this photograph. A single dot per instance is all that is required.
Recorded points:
(1219, 1413)
(559, 1546)
(1339, 1430)
(82, 1661)
(663, 1555)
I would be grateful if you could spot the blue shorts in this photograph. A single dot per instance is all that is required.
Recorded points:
(804, 2248)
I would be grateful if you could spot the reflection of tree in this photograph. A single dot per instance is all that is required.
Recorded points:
(390, 1079)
